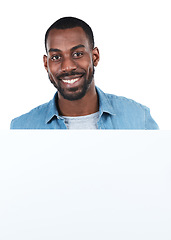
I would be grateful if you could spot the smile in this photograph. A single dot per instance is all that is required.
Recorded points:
(70, 80)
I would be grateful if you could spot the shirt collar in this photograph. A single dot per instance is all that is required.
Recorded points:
(104, 106)
(52, 109)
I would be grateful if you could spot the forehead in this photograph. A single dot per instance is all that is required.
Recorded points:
(65, 39)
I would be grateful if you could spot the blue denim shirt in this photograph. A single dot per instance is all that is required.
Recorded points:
(115, 113)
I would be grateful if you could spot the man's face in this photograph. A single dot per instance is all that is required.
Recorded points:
(70, 62)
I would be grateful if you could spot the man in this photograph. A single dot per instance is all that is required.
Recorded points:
(78, 103)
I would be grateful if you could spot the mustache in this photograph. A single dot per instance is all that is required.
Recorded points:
(69, 74)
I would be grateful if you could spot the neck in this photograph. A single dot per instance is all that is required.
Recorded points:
(87, 105)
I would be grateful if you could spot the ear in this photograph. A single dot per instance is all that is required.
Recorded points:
(45, 62)
(96, 56)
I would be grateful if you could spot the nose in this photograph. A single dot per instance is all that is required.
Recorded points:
(68, 65)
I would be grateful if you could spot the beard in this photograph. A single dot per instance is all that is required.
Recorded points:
(75, 93)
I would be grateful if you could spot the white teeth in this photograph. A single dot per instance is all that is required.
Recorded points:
(71, 80)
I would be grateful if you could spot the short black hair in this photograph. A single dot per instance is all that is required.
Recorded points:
(71, 22)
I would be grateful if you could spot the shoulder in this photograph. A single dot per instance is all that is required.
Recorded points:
(131, 114)
(125, 102)
(120, 102)
(30, 118)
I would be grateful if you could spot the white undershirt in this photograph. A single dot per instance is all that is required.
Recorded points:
(82, 122)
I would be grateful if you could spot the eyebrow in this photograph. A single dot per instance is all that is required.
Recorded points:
(72, 49)
(78, 46)
(54, 50)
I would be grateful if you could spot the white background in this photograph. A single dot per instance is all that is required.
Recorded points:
(134, 39)
(82, 185)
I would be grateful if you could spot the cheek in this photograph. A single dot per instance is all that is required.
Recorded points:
(52, 68)
(88, 65)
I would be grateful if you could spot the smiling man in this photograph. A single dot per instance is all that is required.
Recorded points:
(78, 104)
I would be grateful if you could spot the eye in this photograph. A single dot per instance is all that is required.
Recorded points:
(77, 54)
(55, 58)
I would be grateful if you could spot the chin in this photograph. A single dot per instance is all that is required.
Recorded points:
(73, 95)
